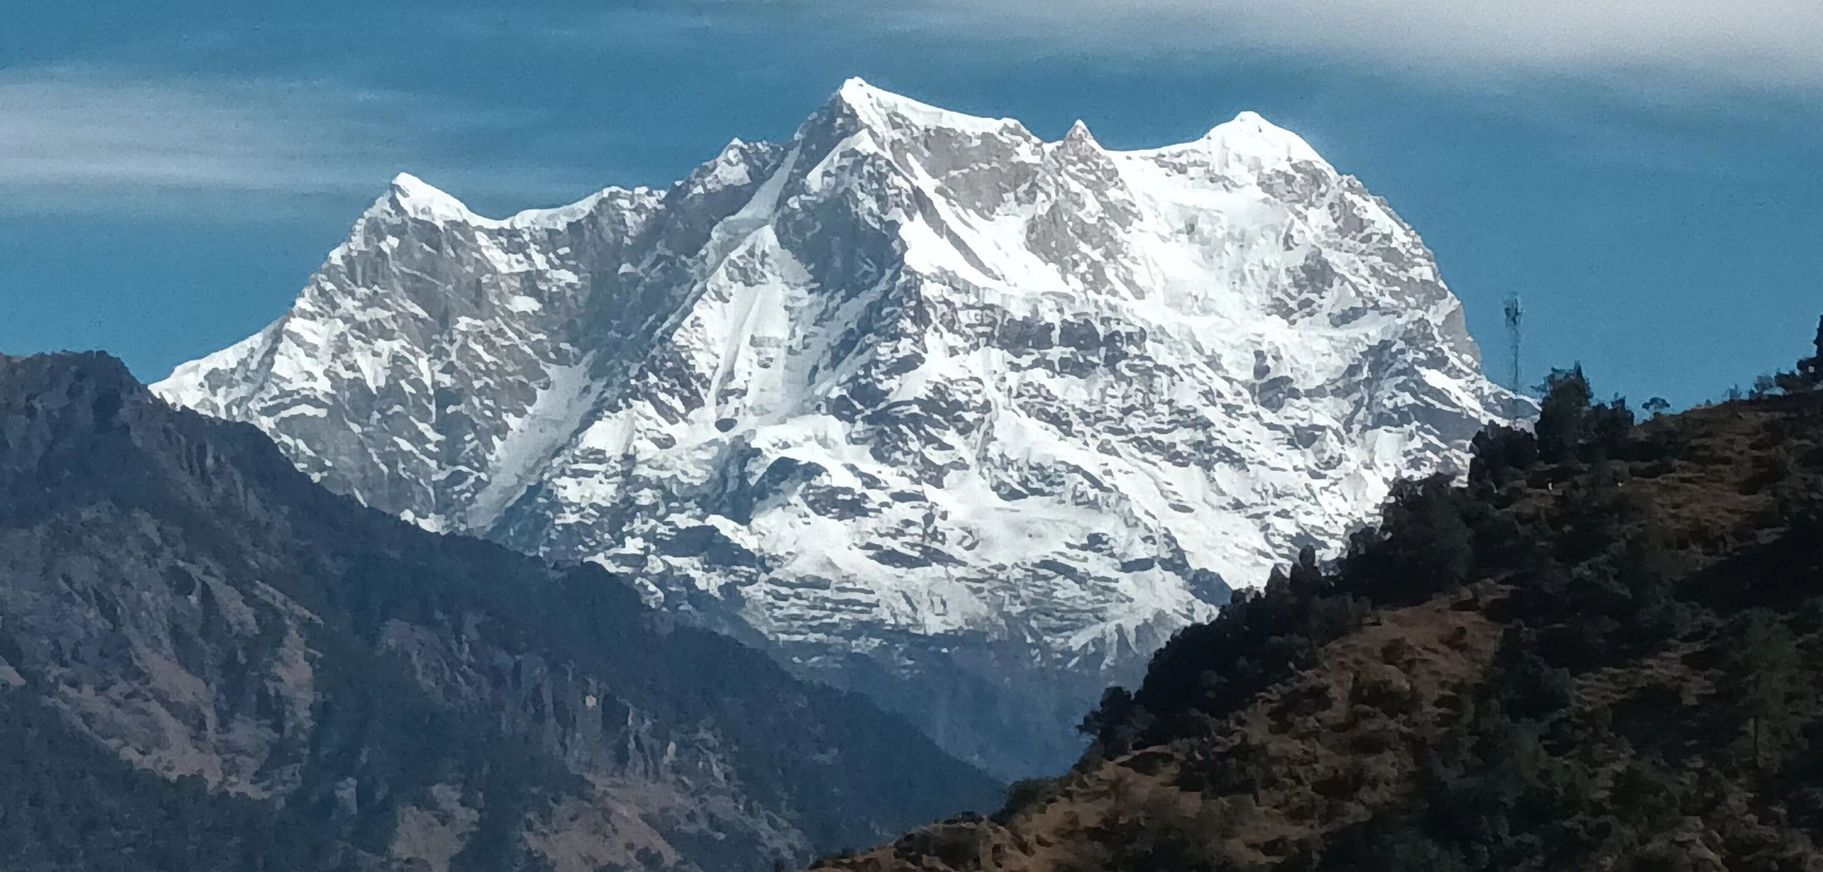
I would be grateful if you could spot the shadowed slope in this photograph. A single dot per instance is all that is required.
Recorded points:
(177, 595)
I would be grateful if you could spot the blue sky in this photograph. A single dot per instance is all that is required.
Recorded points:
(1648, 176)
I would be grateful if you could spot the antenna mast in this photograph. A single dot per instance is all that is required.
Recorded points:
(1515, 314)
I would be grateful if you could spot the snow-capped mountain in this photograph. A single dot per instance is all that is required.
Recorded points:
(953, 415)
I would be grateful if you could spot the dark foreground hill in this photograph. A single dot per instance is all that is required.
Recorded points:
(1605, 651)
(207, 662)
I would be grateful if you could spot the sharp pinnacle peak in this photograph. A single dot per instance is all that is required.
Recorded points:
(424, 200)
(1079, 132)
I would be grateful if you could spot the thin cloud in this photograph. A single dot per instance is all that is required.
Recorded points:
(70, 134)
(1704, 43)
(66, 136)
(62, 132)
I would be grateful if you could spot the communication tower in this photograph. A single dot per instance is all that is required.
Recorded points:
(1515, 314)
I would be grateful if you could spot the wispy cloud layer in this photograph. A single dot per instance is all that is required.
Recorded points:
(66, 134)
(74, 131)
(64, 130)
(1729, 43)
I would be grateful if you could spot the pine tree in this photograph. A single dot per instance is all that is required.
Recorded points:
(1563, 417)
(1810, 369)
(1761, 664)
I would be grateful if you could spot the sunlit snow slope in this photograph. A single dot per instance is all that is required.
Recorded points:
(958, 417)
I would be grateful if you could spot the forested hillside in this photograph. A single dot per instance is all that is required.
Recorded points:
(209, 663)
(1604, 650)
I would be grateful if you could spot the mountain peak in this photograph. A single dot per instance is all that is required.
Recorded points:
(416, 198)
(1251, 135)
(84, 365)
(911, 377)
(1079, 133)
(56, 405)
(857, 93)
(420, 199)
(885, 111)
(855, 87)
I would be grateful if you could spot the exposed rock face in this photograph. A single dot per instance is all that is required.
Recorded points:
(176, 593)
(961, 418)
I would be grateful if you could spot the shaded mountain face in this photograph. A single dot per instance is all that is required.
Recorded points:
(209, 662)
(1604, 652)
(943, 412)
